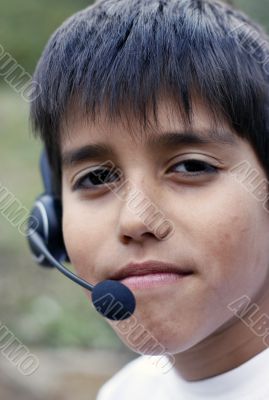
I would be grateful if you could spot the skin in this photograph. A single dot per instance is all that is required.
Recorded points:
(221, 232)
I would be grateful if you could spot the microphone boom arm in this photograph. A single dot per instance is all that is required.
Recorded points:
(40, 245)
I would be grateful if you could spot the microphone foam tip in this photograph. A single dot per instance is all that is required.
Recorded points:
(113, 300)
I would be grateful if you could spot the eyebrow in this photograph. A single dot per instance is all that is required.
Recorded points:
(167, 140)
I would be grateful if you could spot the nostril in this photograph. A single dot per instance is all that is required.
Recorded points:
(125, 239)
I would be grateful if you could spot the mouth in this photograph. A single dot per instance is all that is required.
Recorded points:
(151, 274)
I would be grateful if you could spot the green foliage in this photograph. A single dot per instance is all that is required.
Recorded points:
(26, 26)
(258, 10)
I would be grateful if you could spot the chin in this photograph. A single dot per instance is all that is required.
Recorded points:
(148, 344)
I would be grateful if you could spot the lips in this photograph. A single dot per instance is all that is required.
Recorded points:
(148, 268)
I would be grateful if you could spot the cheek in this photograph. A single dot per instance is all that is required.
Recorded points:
(231, 240)
(83, 235)
(232, 236)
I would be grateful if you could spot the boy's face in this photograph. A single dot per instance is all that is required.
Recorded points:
(221, 231)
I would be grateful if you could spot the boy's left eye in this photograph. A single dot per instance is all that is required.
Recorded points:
(100, 176)
(194, 167)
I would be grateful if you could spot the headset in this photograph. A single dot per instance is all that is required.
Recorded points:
(111, 299)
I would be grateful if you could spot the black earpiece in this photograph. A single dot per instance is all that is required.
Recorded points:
(47, 212)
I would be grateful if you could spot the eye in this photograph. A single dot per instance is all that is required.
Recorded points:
(193, 167)
(95, 179)
(101, 176)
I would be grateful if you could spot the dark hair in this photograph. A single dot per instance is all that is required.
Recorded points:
(126, 53)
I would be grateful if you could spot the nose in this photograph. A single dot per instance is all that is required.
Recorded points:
(139, 216)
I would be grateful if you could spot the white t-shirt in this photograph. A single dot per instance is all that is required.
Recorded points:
(141, 379)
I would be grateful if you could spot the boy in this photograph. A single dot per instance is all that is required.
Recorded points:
(174, 95)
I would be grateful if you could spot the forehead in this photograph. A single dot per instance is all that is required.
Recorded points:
(88, 141)
(77, 128)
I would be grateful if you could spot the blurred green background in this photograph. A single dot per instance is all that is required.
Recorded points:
(40, 306)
